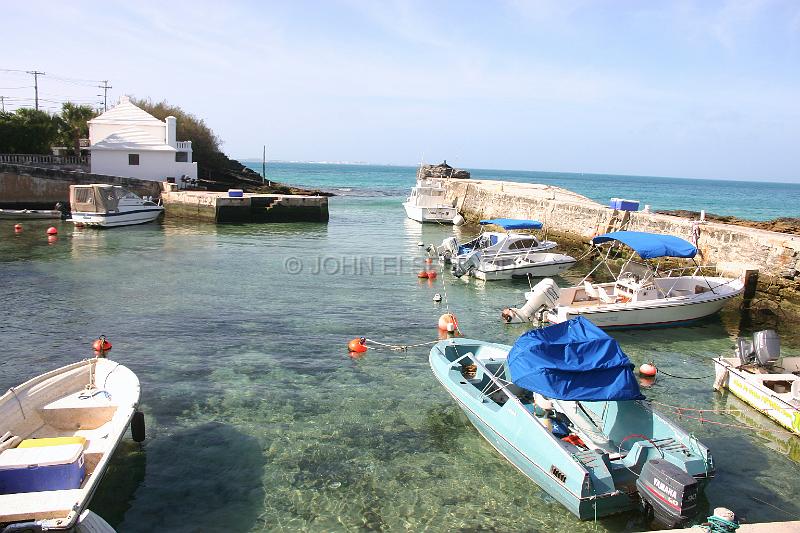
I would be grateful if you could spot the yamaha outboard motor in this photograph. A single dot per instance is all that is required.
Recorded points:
(448, 248)
(668, 493)
(467, 264)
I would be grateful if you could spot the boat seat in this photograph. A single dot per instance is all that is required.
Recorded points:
(38, 505)
(590, 290)
(85, 409)
(604, 296)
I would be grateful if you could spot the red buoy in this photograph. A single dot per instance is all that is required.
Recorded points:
(422, 274)
(432, 274)
(52, 230)
(358, 345)
(448, 322)
(648, 369)
(428, 260)
(101, 345)
(17, 228)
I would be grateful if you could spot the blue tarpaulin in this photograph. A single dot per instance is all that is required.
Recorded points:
(574, 360)
(650, 245)
(513, 223)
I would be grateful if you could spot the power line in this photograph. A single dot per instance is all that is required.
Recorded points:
(105, 88)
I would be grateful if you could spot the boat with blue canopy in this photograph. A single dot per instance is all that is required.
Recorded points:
(513, 253)
(563, 406)
(640, 294)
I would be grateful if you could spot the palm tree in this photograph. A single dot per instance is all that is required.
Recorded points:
(73, 124)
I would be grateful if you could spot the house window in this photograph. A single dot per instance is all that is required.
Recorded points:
(133, 159)
(181, 157)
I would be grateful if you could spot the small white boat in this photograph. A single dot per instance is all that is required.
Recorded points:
(29, 214)
(640, 296)
(427, 203)
(508, 243)
(110, 205)
(57, 434)
(755, 376)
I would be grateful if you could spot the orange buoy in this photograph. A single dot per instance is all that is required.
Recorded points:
(52, 239)
(358, 345)
(52, 230)
(648, 369)
(101, 345)
(432, 274)
(428, 260)
(17, 228)
(422, 274)
(448, 322)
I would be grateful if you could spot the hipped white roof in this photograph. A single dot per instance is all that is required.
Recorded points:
(125, 112)
(132, 138)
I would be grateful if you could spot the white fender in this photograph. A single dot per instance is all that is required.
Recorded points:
(543, 296)
(458, 220)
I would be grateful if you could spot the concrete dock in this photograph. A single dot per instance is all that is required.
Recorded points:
(765, 527)
(219, 207)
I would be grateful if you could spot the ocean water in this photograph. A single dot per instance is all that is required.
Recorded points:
(259, 420)
(751, 200)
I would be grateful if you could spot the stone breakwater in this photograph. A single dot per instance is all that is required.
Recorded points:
(572, 217)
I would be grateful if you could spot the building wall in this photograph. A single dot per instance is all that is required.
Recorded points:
(155, 165)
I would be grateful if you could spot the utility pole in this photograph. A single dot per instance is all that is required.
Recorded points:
(264, 165)
(2, 103)
(105, 88)
(36, 75)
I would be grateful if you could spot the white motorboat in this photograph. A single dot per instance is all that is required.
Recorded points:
(508, 243)
(428, 203)
(757, 376)
(496, 255)
(58, 432)
(639, 296)
(108, 206)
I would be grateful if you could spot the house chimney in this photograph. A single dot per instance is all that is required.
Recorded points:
(171, 136)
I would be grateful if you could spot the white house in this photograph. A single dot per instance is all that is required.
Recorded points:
(130, 142)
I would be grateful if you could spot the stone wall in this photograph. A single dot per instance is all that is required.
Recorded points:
(30, 187)
(732, 249)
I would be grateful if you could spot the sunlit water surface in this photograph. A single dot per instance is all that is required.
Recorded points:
(257, 418)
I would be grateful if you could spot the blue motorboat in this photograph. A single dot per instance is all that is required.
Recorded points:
(564, 407)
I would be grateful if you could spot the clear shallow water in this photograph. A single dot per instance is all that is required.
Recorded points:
(750, 200)
(257, 419)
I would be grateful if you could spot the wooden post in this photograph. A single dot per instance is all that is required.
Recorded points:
(750, 284)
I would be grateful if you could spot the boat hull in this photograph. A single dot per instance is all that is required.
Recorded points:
(753, 393)
(29, 214)
(110, 220)
(536, 270)
(438, 214)
(669, 312)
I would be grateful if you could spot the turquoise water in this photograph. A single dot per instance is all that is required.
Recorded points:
(257, 418)
(750, 200)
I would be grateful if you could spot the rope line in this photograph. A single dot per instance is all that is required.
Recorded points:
(685, 377)
(400, 347)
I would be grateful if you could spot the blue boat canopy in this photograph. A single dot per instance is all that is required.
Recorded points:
(513, 223)
(650, 245)
(574, 360)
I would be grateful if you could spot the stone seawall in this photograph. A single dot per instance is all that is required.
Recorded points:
(29, 187)
(573, 217)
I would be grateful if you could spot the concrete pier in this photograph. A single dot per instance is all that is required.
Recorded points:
(220, 208)
(735, 250)
(764, 527)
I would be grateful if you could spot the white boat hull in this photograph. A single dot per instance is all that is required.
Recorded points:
(749, 388)
(539, 269)
(671, 311)
(109, 220)
(438, 214)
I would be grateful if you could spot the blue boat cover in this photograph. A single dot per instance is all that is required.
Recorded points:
(650, 245)
(514, 223)
(574, 360)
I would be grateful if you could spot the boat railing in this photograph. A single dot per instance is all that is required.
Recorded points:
(680, 271)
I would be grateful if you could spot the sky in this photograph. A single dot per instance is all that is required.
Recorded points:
(706, 89)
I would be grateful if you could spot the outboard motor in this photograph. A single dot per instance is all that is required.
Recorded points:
(448, 248)
(467, 265)
(543, 296)
(767, 346)
(668, 494)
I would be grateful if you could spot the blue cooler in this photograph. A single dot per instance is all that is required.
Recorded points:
(624, 205)
(235, 193)
(42, 468)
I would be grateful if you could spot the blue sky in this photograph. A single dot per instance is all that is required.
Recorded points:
(701, 88)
